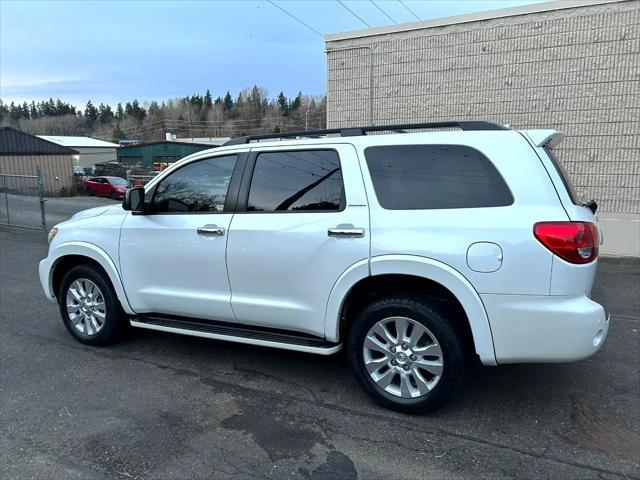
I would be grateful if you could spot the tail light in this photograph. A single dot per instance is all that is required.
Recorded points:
(575, 242)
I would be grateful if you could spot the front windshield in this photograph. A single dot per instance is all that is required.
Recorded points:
(118, 181)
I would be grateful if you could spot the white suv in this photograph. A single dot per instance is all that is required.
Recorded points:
(415, 250)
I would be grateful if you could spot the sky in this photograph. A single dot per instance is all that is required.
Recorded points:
(115, 51)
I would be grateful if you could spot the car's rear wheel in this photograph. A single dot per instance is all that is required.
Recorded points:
(89, 306)
(89, 192)
(406, 354)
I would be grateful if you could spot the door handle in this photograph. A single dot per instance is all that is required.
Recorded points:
(343, 232)
(211, 230)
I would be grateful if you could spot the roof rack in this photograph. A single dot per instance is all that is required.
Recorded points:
(470, 125)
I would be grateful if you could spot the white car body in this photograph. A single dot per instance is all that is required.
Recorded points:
(523, 303)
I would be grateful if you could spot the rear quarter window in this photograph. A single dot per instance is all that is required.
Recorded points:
(564, 176)
(417, 177)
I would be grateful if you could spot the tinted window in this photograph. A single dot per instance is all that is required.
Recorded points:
(296, 181)
(407, 177)
(197, 187)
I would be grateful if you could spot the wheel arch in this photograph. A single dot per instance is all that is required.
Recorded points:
(70, 254)
(422, 268)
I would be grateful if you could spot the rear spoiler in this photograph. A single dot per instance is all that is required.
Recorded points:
(541, 138)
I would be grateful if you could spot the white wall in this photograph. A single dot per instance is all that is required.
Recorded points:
(89, 156)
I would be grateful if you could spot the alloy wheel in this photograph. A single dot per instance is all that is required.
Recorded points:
(403, 357)
(86, 307)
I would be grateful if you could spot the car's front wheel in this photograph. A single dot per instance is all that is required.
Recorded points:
(89, 306)
(406, 354)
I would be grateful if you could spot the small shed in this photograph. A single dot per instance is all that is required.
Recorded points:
(90, 150)
(22, 154)
(156, 155)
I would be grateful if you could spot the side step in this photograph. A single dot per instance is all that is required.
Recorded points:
(265, 337)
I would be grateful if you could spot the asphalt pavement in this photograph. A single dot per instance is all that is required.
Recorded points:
(159, 406)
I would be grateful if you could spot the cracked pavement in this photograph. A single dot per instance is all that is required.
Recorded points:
(165, 406)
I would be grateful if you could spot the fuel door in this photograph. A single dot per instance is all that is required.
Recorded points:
(484, 257)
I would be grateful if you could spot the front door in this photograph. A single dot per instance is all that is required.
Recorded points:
(296, 230)
(102, 187)
(173, 258)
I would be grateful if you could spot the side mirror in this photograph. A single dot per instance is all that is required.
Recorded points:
(134, 200)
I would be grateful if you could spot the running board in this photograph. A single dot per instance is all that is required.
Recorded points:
(237, 333)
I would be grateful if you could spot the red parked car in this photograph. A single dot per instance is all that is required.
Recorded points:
(113, 187)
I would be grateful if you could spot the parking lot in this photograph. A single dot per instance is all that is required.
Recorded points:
(165, 406)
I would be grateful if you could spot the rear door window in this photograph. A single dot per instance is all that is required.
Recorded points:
(412, 177)
(296, 181)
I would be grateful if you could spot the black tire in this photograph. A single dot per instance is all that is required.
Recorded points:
(435, 319)
(89, 192)
(116, 321)
(113, 195)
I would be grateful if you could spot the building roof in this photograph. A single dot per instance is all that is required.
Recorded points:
(80, 142)
(213, 141)
(137, 145)
(469, 17)
(16, 142)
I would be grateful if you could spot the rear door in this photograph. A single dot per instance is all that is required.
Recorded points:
(302, 220)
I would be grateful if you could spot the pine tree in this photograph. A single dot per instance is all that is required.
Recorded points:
(138, 111)
(51, 106)
(105, 114)
(295, 105)
(257, 103)
(154, 109)
(119, 112)
(60, 107)
(134, 110)
(14, 112)
(4, 111)
(227, 102)
(208, 100)
(283, 104)
(90, 113)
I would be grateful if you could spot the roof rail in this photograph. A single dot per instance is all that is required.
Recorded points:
(470, 125)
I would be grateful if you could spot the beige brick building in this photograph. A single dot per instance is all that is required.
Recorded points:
(569, 65)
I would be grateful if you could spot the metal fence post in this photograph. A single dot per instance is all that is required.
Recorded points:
(41, 195)
(129, 179)
(6, 197)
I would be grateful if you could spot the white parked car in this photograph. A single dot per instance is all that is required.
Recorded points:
(416, 251)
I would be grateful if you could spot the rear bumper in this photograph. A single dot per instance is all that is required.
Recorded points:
(545, 329)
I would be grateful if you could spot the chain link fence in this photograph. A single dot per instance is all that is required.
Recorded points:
(22, 201)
